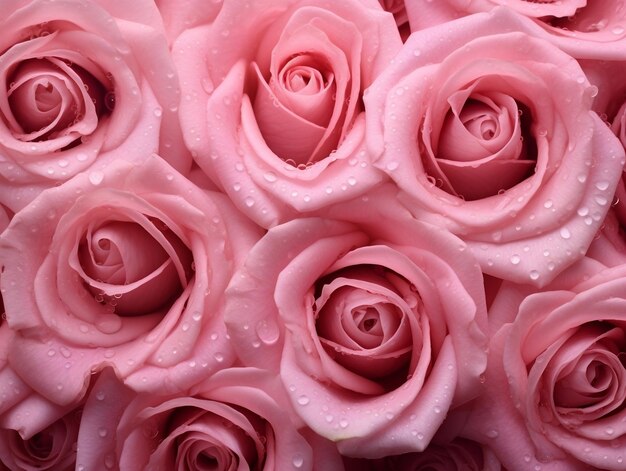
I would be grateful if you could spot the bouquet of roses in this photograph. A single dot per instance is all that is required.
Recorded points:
(312, 234)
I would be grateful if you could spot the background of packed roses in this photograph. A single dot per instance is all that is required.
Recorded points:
(312, 234)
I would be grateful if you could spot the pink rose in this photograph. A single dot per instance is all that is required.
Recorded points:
(78, 89)
(275, 114)
(376, 329)
(124, 267)
(236, 420)
(556, 372)
(585, 29)
(490, 134)
(34, 433)
(457, 455)
(51, 448)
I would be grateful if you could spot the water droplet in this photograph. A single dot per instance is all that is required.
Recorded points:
(83, 328)
(96, 177)
(51, 352)
(389, 416)
(601, 200)
(100, 395)
(268, 332)
(515, 259)
(583, 211)
(393, 165)
(351, 181)
(582, 178)
(492, 434)
(548, 204)
(437, 410)
(109, 323)
(270, 177)
(565, 233)
(603, 185)
(343, 423)
(109, 461)
(218, 357)
(303, 400)
(534, 275)
(249, 201)
(102, 432)
(109, 101)
(618, 30)
(196, 316)
(610, 431)
(297, 461)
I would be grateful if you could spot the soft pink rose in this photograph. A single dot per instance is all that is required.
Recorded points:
(275, 114)
(375, 328)
(81, 83)
(457, 455)
(51, 448)
(556, 373)
(34, 433)
(124, 267)
(237, 420)
(490, 134)
(584, 28)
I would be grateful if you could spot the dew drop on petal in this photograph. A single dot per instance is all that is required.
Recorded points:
(267, 331)
(297, 461)
(270, 177)
(492, 434)
(96, 177)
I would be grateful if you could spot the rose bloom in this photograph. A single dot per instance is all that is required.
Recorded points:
(124, 267)
(556, 372)
(491, 135)
(458, 454)
(34, 432)
(375, 329)
(274, 115)
(584, 28)
(237, 420)
(81, 83)
(51, 448)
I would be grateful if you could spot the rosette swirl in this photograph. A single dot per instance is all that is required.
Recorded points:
(128, 271)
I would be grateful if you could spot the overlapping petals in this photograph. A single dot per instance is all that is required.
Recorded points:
(363, 327)
(561, 357)
(277, 118)
(76, 84)
(583, 28)
(234, 421)
(491, 134)
(128, 270)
